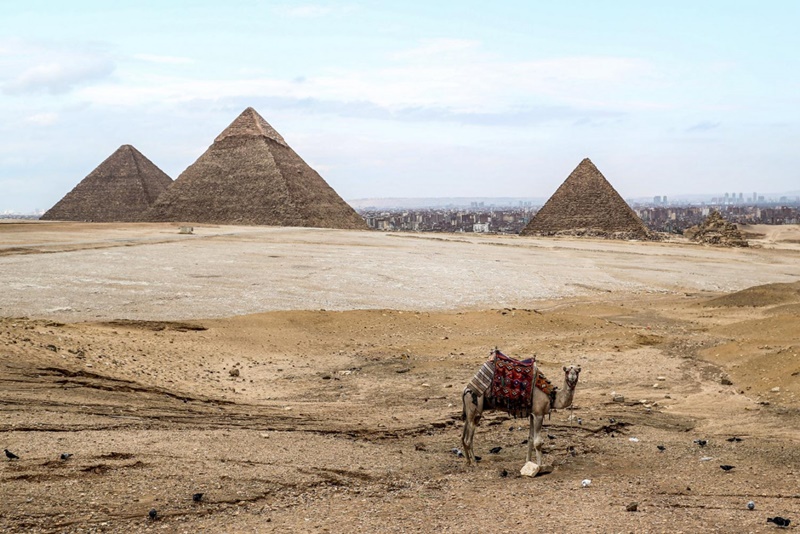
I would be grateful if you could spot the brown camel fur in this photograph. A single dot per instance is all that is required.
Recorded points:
(474, 406)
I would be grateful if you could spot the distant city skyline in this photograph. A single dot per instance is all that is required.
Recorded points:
(790, 198)
(412, 99)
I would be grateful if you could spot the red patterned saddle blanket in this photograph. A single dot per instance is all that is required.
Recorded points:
(511, 384)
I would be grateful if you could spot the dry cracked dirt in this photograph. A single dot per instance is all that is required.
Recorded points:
(344, 419)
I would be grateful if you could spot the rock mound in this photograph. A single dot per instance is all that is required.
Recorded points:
(715, 230)
(758, 296)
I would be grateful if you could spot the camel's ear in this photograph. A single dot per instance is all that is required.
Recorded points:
(578, 369)
(565, 368)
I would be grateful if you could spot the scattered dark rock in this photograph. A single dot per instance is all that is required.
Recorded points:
(66, 455)
(726, 467)
(495, 450)
(153, 514)
(779, 521)
(197, 497)
(632, 507)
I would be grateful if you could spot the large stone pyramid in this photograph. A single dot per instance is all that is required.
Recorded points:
(249, 175)
(120, 189)
(586, 204)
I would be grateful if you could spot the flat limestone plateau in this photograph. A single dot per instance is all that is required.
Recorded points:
(344, 420)
(79, 271)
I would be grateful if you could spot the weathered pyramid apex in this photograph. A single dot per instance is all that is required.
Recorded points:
(250, 124)
(127, 148)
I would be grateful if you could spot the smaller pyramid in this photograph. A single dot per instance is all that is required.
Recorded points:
(251, 176)
(120, 189)
(715, 230)
(586, 204)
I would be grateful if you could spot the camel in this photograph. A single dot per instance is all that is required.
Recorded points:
(476, 402)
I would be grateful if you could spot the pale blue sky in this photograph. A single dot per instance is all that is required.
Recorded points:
(410, 99)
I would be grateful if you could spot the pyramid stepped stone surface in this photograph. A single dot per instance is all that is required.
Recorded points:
(715, 230)
(120, 189)
(587, 205)
(250, 176)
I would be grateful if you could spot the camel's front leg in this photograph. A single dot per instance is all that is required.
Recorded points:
(536, 430)
(472, 413)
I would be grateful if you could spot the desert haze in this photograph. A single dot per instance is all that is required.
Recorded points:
(310, 380)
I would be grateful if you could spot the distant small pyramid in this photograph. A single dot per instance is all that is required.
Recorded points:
(586, 204)
(120, 189)
(715, 230)
(250, 176)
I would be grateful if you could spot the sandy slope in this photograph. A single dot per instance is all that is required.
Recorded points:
(345, 420)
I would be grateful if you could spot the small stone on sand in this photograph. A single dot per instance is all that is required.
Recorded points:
(529, 469)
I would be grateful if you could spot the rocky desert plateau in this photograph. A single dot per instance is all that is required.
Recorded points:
(308, 380)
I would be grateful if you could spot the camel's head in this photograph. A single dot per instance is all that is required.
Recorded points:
(571, 375)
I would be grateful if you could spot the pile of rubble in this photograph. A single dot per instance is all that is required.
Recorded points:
(716, 231)
(601, 234)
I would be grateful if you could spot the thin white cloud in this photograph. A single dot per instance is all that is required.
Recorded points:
(305, 11)
(167, 60)
(473, 84)
(43, 119)
(703, 126)
(35, 67)
(438, 47)
(438, 81)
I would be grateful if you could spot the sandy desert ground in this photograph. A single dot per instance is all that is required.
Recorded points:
(309, 380)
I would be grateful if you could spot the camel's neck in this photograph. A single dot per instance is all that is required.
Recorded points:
(564, 396)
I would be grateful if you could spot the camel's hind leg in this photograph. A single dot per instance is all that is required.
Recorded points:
(536, 426)
(473, 406)
(531, 438)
